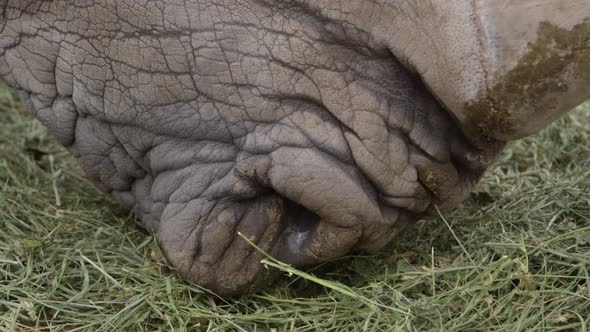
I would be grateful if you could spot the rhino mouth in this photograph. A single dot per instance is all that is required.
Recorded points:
(322, 200)
(299, 225)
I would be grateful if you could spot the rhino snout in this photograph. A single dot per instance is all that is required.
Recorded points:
(312, 128)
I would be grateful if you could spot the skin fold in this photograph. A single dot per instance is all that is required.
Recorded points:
(313, 127)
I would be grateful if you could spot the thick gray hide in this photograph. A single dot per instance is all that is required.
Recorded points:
(273, 119)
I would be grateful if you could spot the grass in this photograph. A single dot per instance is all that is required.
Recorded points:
(514, 257)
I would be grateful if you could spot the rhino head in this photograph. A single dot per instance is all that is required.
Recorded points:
(312, 127)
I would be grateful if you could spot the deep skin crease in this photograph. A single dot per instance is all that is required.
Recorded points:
(313, 128)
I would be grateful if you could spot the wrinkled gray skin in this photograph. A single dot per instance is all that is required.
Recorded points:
(313, 127)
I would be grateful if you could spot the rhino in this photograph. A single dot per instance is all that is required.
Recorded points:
(303, 129)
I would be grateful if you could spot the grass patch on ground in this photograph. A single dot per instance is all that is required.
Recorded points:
(514, 257)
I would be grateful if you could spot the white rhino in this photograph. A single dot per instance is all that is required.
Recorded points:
(313, 127)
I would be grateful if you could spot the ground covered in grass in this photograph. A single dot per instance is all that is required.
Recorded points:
(514, 257)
